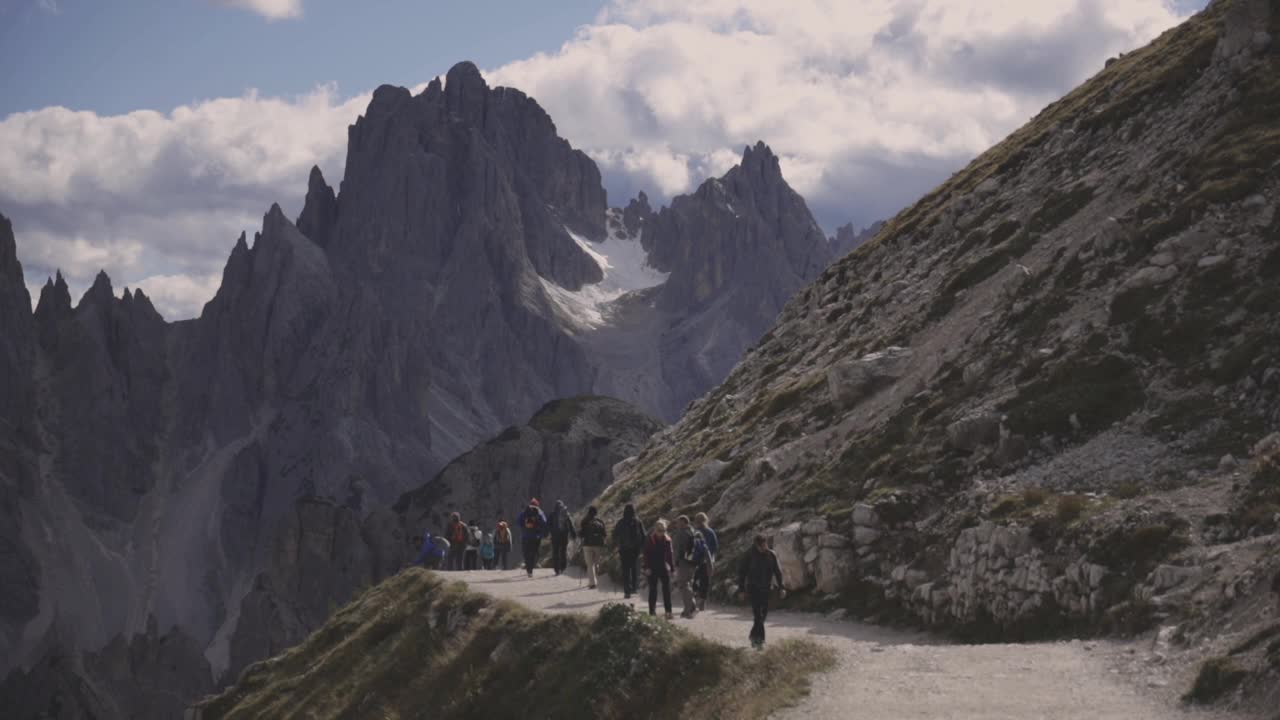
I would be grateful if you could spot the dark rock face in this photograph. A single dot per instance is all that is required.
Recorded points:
(847, 239)
(148, 676)
(737, 250)
(566, 452)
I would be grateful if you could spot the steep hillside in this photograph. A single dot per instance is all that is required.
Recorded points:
(416, 645)
(1039, 401)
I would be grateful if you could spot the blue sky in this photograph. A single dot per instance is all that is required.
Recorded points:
(142, 137)
(120, 55)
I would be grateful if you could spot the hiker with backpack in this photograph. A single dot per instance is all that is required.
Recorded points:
(562, 531)
(533, 525)
(756, 576)
(432, 553)
(682, 545)
(475, 538)
(658, 567)
(502, 544)
(629, 539)
(486, 552)
(593, 538)
(456, 533)
(707, 568)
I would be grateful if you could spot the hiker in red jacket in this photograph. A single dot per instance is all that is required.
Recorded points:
(456, 533)
(659, 564)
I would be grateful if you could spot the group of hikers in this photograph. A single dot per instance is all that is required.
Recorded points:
(682, 553)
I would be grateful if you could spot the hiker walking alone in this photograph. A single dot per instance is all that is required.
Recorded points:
(502, 544)
(456, 533)
(658, 566)
(593, 537)
(533, 525)
(629, 539)
(707, 568)
(756, 575)
(683, 548)
(562, 531)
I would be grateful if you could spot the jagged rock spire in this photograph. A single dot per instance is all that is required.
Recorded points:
(319, 211)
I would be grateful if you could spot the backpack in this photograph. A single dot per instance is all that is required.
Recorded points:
(458, 533)
(530, 520)
(696, 552)
(593, 532)
(476, 537)
(503, 536)
(561, 521)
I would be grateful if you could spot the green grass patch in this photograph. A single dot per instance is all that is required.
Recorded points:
(416, 642)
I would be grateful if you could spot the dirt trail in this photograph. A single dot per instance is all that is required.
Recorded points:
(889, 674)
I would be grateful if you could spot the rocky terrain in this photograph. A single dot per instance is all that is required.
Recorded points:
(1042, 401)
(173, 480)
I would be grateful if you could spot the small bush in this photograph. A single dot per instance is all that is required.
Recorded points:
(1218, 676)
(1070, 508)
(1127, 491)
(1033, 497)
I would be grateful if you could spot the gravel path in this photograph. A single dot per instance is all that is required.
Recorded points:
(889, 674)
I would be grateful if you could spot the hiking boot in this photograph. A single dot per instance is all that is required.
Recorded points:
(669, 616)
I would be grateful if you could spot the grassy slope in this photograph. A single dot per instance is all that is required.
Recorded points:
(418, 646)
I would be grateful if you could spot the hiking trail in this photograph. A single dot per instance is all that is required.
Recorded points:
(891, 674)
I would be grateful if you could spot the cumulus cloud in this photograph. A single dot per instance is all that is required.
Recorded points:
(869, 104)
(154, 195)
(269, 9)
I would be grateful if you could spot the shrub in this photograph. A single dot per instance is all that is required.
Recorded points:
(1218, 676)
(1070, 508)
(1034, 496)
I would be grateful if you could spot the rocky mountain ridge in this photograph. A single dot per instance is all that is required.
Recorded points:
(1042, 400)
(160, 475)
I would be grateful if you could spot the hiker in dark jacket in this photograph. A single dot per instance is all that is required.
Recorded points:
(629, 538)
(593, 538)
(707, 568)
(456, 533)
(533, 525)
(756, 575)
(475, 538)
(562, 531)
(659, 564)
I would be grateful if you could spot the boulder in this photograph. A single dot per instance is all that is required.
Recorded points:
(787, 545)
(864, 515)
(833, 569)
(973, 432)
(852, 381)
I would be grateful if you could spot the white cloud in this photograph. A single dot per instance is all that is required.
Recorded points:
(269, 9)
(49, 6)
(152, 195)
(869, 104)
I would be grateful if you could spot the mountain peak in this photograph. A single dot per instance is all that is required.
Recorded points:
(100, 291)
(465, 91)
(319, 210)
(760, 161)
(55, 297)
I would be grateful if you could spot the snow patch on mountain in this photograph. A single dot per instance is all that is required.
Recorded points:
(626, 268)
